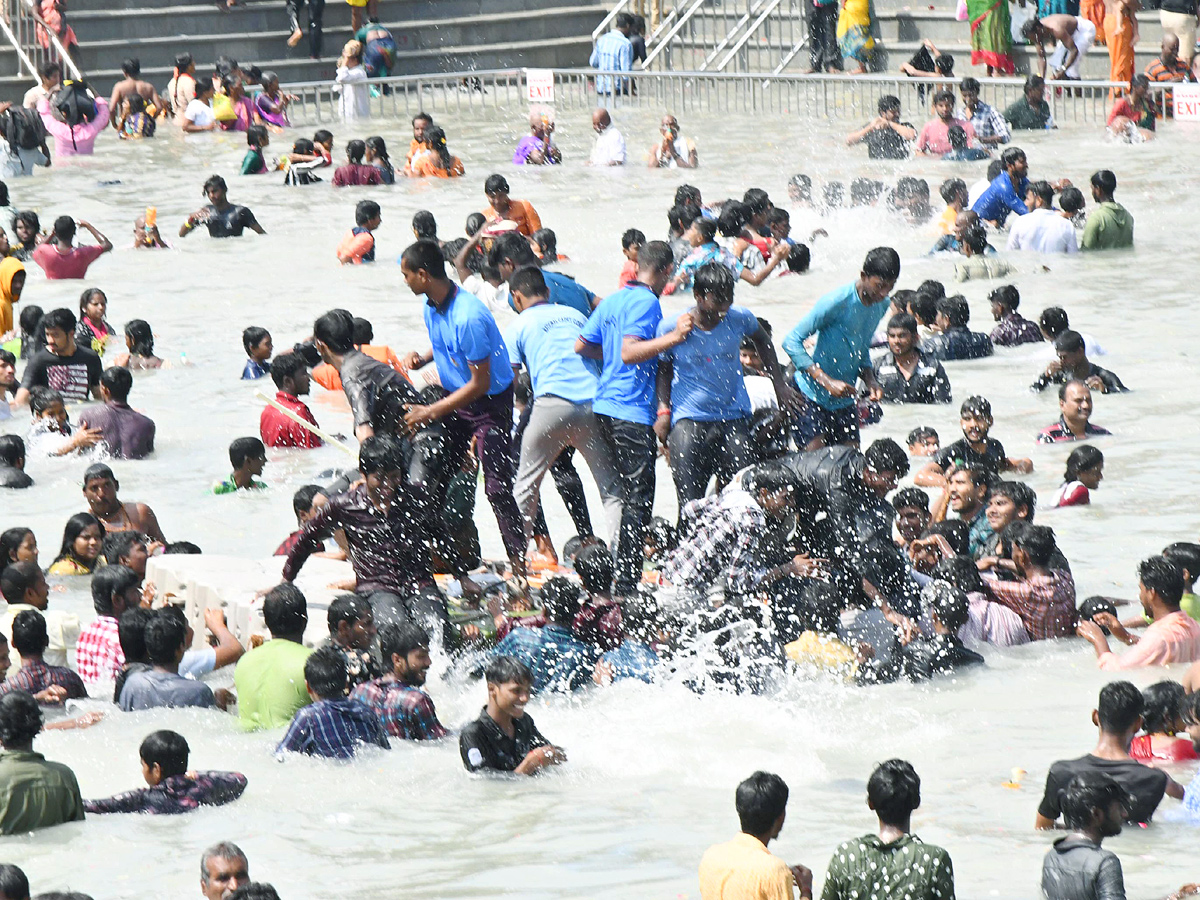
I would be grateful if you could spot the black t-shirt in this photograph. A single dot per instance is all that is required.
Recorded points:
(228, 222)
(484, 745)
(12, 477)
(71, 376)
(922, 60)
(376, 392)
(1144, 784)
(884, 143)
(960, 452)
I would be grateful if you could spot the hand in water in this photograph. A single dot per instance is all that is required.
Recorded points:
(224, 698)
(51, 696)
(1096, 384)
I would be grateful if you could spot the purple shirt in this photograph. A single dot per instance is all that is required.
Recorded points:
(128, 434)
(527, 145)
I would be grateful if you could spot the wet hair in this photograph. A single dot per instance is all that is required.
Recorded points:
(140, 333)
(1054, 321)
(1065, 386)
(885, 455)
(888, 103)
(714, 281)
(380, 453)
(594, 566)
(660, 535)
(42, 398)
(335, 329)
(1036, 540)
(117, 545)
(760, 800)
(1042, 190)
(680, 217)
(222, 850)
(945, 66)
(560, 600)
(799, 258)
(943, 96)
(256, 136)
(166, 749)
(364, 331)
(1163, 577)
(547, 243)
(1186, 556)
(923, 306)
(401, 639)
(1088, 793)
(904, 322)
(305, 146)
(1071, 200)
(1162, 705)
(734, 216)
(803, 185)
(12, 452)
(365, 211)
(956, 532)
(132, 67)
(951, 188)
(118, 382)
(894, 791)
(947, 602)
(706, 228)
(285, 610)
(1120, 707)
(1093, 606)
(496, 184)
(253, 336)
(11, 540)
(631, 237)
(110, 581)
(823, 605)
(1007, 296)
(165, 635)
(378, 146)
(20, 718)
(865, 191)
(355, 150)
(182, 548)
(75, 526)
(425, 255)
(326, 673)
(656, 256)
(920, 433)
(214, 181)
(687, 195)
(1008, 158)
(512, 248)
(302, 500)
(424, 225)
(348, 608)
(756, 201)
(778, 216)
(910, 497)
(1104, 181)
(975, 237)
(14, 885)
(529, 282)
(1081, 459)
(285, 365)
(62, 319)
(522, 388)
(961, 572)
(833, 193)
(1019, 493)
(505, 669)
(882, 262)
(322, 136)
(771, 477)
(245, 448)
(30, 220)
(957, 135)
(131, 634)
(16, 579)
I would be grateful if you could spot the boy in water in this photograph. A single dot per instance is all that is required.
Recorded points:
(359, 245)
(631, 242)
(504, 738)
(333, 726)
(975, 447)
(290, 375)
(248, 456)
(257, 343)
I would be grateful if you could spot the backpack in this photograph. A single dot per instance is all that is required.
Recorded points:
(75, 103)
(23, 128)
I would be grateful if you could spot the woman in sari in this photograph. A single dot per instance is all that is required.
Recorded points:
(991, 35)
(854, 33)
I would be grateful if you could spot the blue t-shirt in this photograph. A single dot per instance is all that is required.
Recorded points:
(543, 339)
(844, 326)
(566, 291)
(464, 331)
(1001, 198)
(707, 383)
(625, 392)
(712, 252)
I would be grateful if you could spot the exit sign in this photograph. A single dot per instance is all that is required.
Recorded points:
(1187, 102)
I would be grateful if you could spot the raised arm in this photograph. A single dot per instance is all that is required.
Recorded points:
(636, 350)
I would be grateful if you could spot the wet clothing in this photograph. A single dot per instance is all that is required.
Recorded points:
(905, 869)
(376, 392)
(152, 688)
(1045, 603)
(12, 477)
(957, 342)
(356, 174)
(1014, 329)
(1000, 198)
(1076, 868)
(72, 376)
(228, 222)
(885, 143)
(743, 868)
(558, 660)
(922, 658)
(334, 729)
(405, 711)
(269, 682)
(1024, 116)
(126, 432)
(993, 457)
(1059, 433)
(35, 676)
(484, 745)
(36, 793)
(1109, 227)
(175, 794)
(1144, 784)
(1112, 384)
(278, 430)
(928, 384)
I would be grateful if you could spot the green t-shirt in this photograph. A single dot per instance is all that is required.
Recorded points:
(36, 793)
(1109, 227)
(906, 868)
(1022, 116)
(270, 684)
(229, 486)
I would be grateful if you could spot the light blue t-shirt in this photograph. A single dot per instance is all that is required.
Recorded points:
(566, 291)
(625, 392)
(463, 332)
(543, 339)
(844, 326)
(707, 383)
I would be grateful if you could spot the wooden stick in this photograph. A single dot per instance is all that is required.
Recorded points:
(309, 426)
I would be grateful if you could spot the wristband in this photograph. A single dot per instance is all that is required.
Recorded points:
(663, 412)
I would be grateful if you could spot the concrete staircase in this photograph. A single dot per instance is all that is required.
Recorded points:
(431, 36)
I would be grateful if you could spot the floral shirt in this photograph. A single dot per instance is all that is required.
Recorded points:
(174, 795)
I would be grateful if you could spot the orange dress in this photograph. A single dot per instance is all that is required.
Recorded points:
(1093, 11)
(1118, 33)
(429, 165)
(519, 211)
(327, 376)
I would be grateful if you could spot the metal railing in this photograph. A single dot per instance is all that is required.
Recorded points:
(845, 98)
(664, 25)
(33, 40)
(733, 35)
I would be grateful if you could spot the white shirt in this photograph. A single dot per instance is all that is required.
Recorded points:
(975, 191)
(610, 148)
(199, 114)
(355, 102)
(33, 95)
(496, 299)
(761, 391)
(683, 148)
(1044, 231)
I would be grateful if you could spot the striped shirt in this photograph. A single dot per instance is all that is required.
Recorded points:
(35, 676)
(1160, 71)
(613, 53)
(334, 729)
(987, 122)
(1045, 603)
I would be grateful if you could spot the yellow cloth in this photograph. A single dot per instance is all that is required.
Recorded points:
(744, 869)
(824, 651)
(946, 223)
(68, 566)
(9, 267)
(855, 13)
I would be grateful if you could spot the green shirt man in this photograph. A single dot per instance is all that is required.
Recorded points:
(36, 793)
(1109, 227)
(907, 867)
(270, 684)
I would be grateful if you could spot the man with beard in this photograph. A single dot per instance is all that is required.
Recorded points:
(405, 710)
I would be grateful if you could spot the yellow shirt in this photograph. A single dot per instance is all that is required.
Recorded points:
(62, 628)
(744, 869)
(949, 219)
(822, 651)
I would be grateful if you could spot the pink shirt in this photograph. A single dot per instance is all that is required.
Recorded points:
(72, 264)
(935, 136)
(85, 133)
(1174, 638)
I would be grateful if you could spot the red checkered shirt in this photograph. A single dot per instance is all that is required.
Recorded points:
(1045, 603)
(98, 653)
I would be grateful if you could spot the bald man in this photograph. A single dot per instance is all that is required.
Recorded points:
(1178, 18)
(1170, 67)
(610, 145)
(673, 151)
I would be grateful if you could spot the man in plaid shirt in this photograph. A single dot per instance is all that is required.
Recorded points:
(98, 654)
(1044, 598)
(403, 708)
(48, 684)
(334, 726)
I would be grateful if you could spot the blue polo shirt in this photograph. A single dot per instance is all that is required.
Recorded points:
(625, 392)
(543, 339)
(1001, 198)
(844, 326)
(464, 331)
(566, 291)
(707, 382)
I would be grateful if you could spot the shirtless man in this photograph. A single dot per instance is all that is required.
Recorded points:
(1073, 36)
(128, 86)
(100, 488)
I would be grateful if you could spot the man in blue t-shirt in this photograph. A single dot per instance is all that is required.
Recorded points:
(622, 334)
(702, 401)
(564, 385)
(1006, 193)
(844, 322)
(473, 365)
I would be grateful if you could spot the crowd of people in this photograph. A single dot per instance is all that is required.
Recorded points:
(795, 550)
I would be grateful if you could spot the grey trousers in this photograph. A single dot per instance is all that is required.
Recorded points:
(554, 425)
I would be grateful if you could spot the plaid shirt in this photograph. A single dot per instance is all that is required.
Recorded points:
(613, 53)
(1045, 603)
(35, 676)
(1059, 433)
(722, 533)
(987, 122)
(1015, 329)
(98, 653)
(406, 712)
(176, 794)
(559, 661)
(333, 729)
